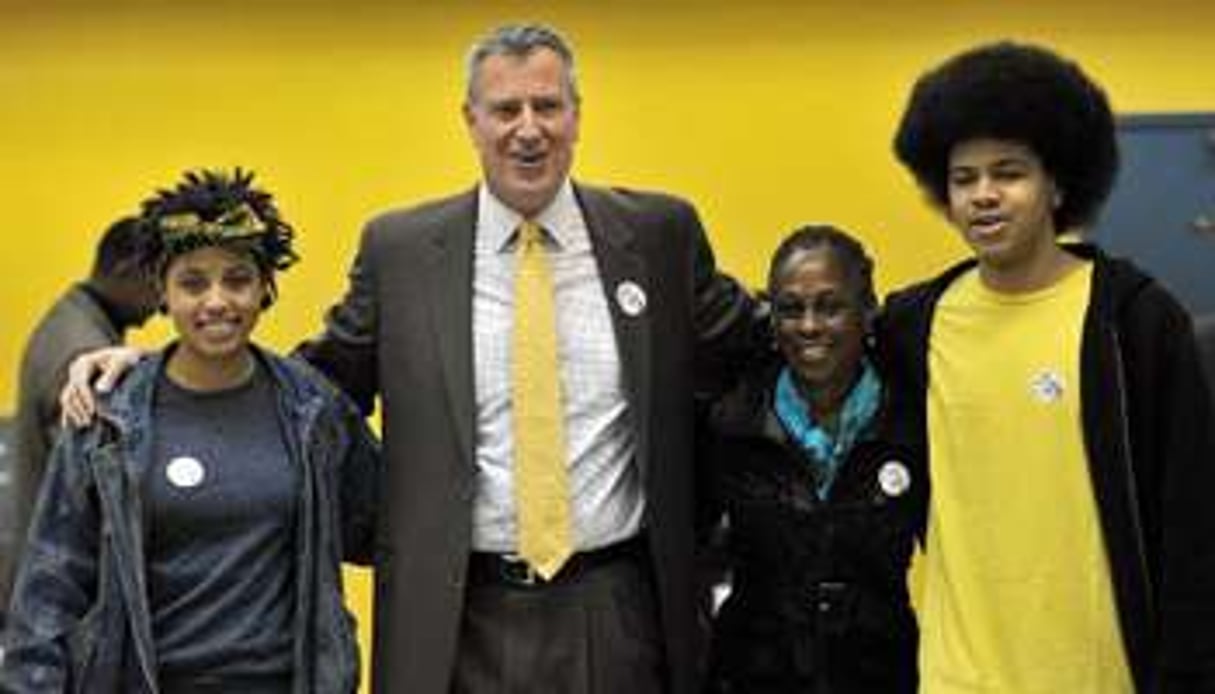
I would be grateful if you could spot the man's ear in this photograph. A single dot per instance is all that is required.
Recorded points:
(469, 117)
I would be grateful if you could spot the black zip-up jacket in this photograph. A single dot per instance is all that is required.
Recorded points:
(819, 600)
(1147, 423)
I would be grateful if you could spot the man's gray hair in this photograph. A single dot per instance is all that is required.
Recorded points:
(520, 40)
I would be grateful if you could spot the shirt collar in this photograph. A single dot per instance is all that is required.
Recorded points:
(496, 222)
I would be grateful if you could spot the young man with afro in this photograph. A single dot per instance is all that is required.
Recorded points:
(1059, 396)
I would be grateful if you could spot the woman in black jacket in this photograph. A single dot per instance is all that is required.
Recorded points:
(820, 509)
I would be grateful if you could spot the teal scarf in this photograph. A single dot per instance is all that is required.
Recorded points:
(827, 453)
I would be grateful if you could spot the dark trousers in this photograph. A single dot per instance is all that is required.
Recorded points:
(593, 632)
(263, 684)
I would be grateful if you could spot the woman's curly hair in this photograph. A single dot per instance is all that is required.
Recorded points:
(214, 208)
(1020, 93)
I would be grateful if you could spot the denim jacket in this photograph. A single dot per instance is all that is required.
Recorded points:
(79, 618)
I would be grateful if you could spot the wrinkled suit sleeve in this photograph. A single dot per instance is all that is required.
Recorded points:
(729, 324)
(346, 351)
(57, 580)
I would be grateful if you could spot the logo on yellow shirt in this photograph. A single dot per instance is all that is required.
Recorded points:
(1046, 386)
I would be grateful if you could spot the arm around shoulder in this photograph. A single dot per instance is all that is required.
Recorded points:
(730, 325)
(346, 350)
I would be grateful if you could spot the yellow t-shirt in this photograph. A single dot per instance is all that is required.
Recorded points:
(1017, 595)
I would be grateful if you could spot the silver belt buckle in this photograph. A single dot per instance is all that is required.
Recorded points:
(519, 571)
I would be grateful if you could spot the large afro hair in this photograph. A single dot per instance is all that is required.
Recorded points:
(1020, 93)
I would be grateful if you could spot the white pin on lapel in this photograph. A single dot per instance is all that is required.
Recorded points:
(631, 298)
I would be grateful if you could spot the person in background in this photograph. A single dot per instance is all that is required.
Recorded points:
(1058, 393)
(821, 507)
(95, 312)
(190, 540)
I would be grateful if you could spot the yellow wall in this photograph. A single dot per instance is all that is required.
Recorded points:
(766, 114)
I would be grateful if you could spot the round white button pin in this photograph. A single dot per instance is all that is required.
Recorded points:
(630, 297)
(185, 472)
(1046, 386)
(894, 478)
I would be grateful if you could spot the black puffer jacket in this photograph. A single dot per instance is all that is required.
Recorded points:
(819, 601)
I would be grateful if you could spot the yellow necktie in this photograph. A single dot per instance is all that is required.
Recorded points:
(541, 484)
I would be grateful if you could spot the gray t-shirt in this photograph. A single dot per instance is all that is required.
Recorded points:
(220, 499)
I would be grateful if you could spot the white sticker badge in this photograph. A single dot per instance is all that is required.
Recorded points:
(1046, 386)
(185, 472)
(894, 478)
(631, 298)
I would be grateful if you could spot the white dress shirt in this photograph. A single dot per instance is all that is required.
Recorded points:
(608, 501)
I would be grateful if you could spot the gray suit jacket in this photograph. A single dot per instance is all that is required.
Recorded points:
(75, 323)
(404, 332)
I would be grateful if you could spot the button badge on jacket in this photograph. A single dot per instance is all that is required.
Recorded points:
(631, 298)
(185, 472)
(894, 478)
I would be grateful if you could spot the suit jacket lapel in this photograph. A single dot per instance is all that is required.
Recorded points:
(450, 269)
(623, 270)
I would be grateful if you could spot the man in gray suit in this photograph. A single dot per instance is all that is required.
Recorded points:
(92, 313)
(644, 324)
(643, 319)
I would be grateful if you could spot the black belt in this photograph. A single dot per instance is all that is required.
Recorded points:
(509, 570)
